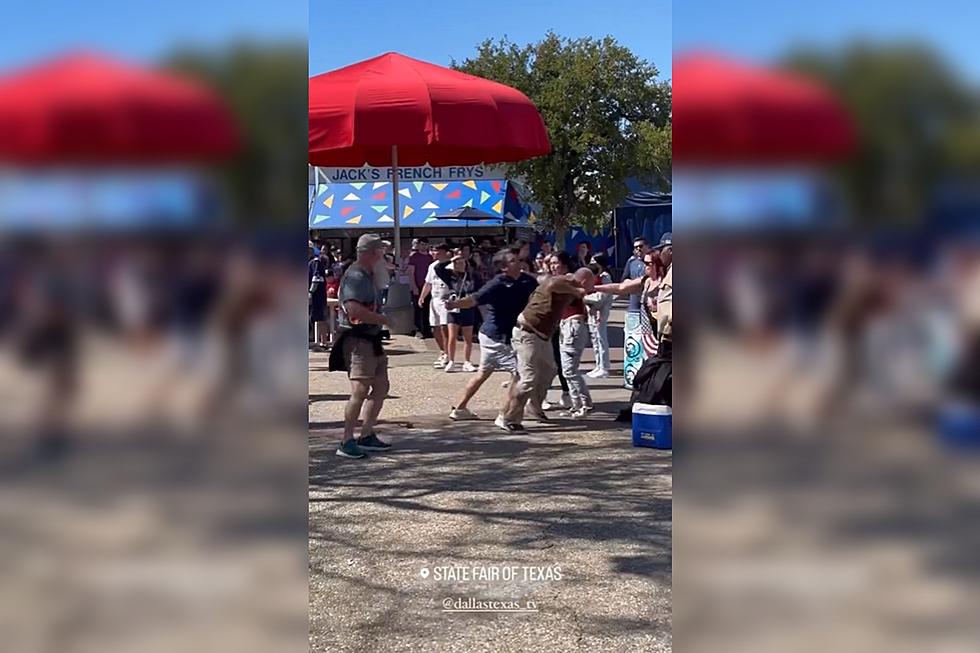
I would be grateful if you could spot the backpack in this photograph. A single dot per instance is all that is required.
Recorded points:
(653, 381)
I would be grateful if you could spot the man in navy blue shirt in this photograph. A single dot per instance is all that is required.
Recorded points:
(504, 297)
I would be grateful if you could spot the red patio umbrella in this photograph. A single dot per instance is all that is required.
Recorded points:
(395, 110)
(87, 108)
(726, 112)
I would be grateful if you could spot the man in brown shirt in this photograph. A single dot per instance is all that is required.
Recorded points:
(532, 342)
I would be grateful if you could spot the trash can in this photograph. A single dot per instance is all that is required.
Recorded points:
(399, 310)
(652, 426)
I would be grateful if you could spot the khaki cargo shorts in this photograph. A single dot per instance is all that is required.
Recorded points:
(362, 363)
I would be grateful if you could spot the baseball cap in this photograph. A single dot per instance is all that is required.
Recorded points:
(369, 242)
(665, 241)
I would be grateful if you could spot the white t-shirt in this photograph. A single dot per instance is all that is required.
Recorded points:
(439, 288)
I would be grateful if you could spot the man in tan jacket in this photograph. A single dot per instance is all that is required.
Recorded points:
(664, 312)
(532, 342)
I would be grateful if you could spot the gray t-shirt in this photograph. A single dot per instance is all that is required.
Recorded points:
(357, 285)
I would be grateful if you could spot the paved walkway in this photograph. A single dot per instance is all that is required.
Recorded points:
(490, 517)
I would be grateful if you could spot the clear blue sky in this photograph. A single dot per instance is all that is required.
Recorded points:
(765, 29)
(342, 33)
(141, 29)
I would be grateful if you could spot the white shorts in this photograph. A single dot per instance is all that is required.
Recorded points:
(496, 355)
(438, 313)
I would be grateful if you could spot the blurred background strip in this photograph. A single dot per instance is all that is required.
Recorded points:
(152, 355)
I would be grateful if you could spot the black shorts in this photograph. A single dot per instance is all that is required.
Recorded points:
(465, 317)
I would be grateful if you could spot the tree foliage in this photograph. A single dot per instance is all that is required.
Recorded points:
(265, 88)
(607, 115)
(916, 121)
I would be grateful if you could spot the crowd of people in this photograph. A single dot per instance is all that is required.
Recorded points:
(183, 337)
(533, 319)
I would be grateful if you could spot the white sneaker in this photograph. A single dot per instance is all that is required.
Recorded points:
(450, 366)
(566, 400)
(547, 405)
(469, 367)
(598, 373)
(441, 361)
(510, 428)
(462, 414)
(574, 414)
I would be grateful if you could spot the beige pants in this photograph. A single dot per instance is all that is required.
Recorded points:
(536, 369)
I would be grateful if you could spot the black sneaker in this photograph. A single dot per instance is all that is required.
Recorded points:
(350, 449)
(373, 443)
(538, 417)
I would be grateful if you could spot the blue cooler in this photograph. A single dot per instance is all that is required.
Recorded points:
(959, 426)
(651, 426)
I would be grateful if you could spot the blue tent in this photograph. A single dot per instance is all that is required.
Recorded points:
(366, 205)
(644, 214)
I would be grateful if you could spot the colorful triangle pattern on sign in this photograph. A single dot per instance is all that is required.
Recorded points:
(419, 203)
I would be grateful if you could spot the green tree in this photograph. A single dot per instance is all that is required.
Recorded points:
(265, 87)
(607, 115)
(916, 121)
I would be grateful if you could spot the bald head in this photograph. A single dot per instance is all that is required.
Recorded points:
(585, 278)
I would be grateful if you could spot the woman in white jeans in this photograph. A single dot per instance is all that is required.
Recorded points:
(600, 304)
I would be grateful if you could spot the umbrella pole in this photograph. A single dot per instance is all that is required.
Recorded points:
(394, 200)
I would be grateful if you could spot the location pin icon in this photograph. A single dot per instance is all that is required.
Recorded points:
(425, 572)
